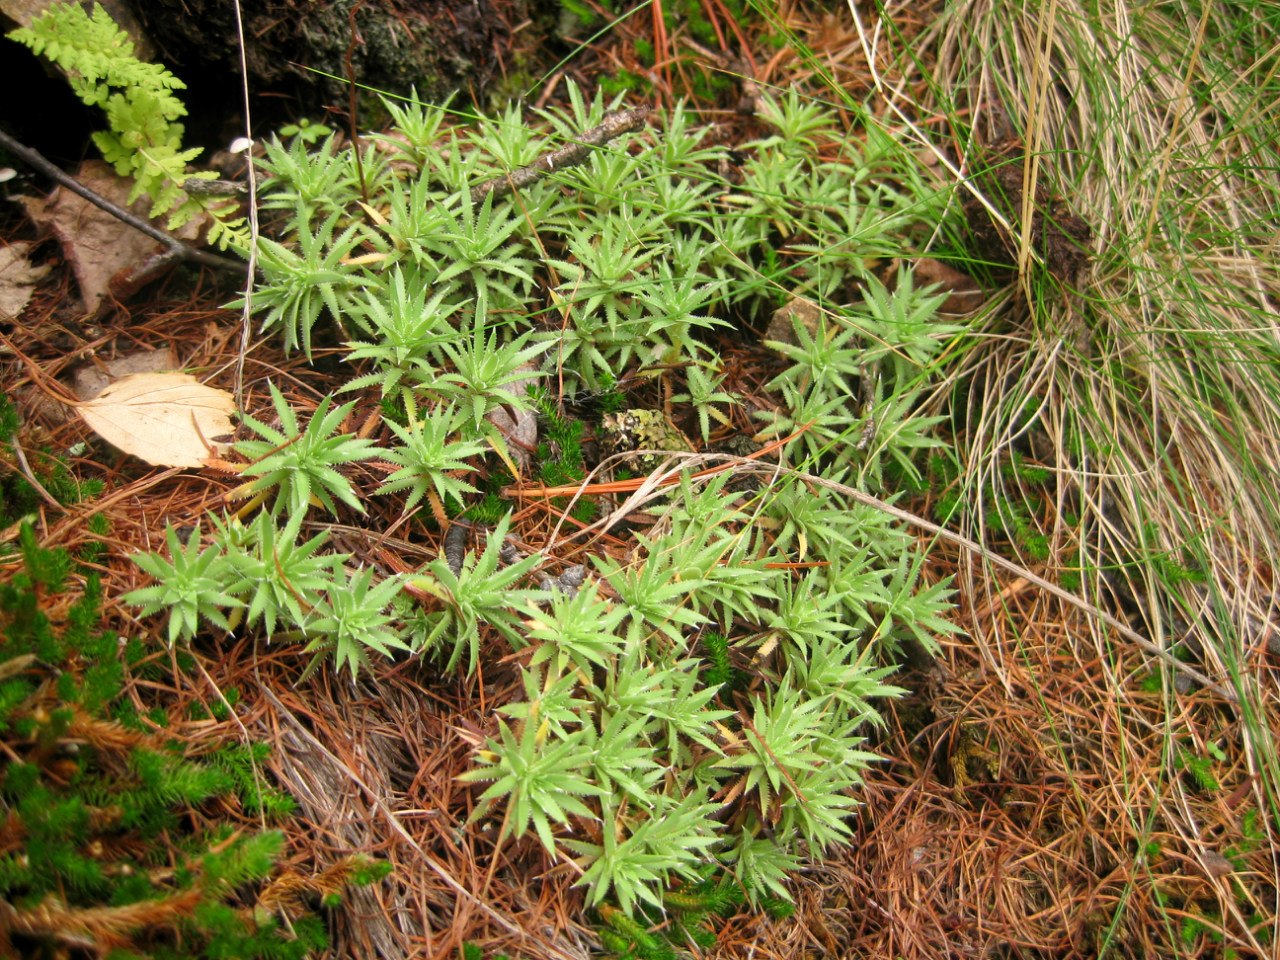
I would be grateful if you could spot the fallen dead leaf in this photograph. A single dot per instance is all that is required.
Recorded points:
(17, 277)
(109, 258)
(166, 419)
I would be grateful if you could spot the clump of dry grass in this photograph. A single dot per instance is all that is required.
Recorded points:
(1147, 384)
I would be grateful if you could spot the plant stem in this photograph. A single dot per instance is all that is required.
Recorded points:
(570, 155)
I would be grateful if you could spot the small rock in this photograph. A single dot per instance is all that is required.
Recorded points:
(570, 579)
(92, 378)
(782, 326)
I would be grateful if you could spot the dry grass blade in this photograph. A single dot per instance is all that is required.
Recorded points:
(389, 767)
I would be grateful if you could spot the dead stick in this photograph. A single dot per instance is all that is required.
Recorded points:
(176, 247)
(393, 821)
(215, 188)
(570, 155)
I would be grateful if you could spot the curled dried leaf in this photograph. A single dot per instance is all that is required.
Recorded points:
(167, 419)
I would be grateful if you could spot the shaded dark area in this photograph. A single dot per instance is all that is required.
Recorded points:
(298, 54)
(40, 109)
(1058, 235)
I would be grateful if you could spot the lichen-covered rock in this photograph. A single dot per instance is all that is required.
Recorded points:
(640, 429)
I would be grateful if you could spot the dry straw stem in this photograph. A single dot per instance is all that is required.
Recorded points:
(1119, 132)
(1166, 350)
(1049, 855)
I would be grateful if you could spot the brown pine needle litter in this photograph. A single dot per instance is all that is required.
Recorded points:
(1047, 790)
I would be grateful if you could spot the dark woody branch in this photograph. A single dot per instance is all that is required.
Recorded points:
(570, 155)
(176, 249)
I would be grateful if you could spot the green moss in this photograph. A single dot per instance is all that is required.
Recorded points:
(90, 822)
(624, 81)
(18, 498)
(488, 510)
(582, 13)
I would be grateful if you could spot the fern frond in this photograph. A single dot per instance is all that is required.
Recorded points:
(97, 56)
(143, 140)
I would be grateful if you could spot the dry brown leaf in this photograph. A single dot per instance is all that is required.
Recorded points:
(166, 419)
(110, 259)
(17, 277)
(964, 295)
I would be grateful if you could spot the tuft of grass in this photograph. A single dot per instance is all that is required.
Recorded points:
(1148, 380)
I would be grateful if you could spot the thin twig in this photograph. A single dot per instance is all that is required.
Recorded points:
(393, 821)
(180, 250)
(915, 520)
(353, 102)
(83, 511)
(31, 476)
(570, 155)
(246, 314)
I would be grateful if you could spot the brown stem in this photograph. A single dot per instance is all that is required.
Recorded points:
(570, 155)
(352, 99)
